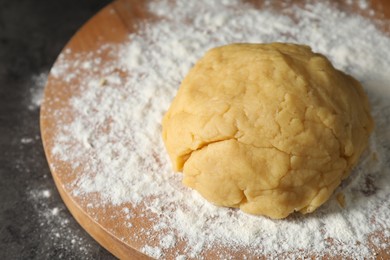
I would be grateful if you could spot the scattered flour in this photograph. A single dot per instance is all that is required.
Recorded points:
(152, 251)
(114, 137)
(55, 226)
(168, 241)
(38, 83)
(26, 140)
(46, 193)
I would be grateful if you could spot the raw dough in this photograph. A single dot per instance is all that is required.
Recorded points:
(269, 128)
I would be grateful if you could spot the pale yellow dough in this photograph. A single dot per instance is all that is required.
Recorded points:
(269, 128)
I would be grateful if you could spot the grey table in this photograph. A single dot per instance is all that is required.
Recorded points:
(34, 222)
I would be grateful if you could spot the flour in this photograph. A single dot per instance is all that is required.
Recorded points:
(54, 224)
(26, 140)
(114, 139)
(38, 82)
(154, 252)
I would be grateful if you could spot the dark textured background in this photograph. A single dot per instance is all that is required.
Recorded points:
(34, 223)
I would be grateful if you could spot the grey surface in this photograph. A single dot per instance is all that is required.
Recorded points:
(34, 223)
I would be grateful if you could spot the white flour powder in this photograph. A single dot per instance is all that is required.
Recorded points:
(55, 226)
(36, 89)
(115, 134)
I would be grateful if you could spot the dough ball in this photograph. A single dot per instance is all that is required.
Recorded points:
(269, 128)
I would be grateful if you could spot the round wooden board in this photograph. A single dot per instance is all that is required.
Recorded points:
(111, 25)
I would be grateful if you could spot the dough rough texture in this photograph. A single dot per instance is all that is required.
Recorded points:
(269, 128)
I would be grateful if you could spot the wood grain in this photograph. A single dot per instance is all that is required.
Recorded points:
(110, 26)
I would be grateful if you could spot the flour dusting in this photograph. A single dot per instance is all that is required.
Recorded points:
(114, 138)
(38, 82)
(54, 224)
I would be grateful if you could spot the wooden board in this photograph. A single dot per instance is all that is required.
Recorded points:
(111, 25)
